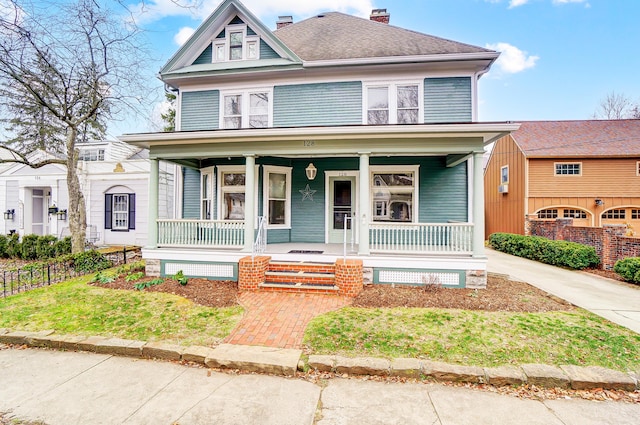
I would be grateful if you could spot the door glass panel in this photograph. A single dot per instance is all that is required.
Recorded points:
(341, 203)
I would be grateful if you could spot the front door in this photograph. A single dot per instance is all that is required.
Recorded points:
(342, 204)
(39, 217)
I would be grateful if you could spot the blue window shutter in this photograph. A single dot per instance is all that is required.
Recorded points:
(132, 211)
(108, 204)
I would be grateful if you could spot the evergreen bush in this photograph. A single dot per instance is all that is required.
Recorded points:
(557, 253)
(629, 269)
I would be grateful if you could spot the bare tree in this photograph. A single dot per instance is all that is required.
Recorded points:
(66, 69)
(617, 106)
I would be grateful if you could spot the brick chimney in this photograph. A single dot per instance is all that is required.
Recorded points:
(380, 15)
(283, 21)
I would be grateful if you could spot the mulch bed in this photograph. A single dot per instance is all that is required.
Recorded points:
(501, 294)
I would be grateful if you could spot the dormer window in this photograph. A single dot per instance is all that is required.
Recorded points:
(234, 44)
(91, 155)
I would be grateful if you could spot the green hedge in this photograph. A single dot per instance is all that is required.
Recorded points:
(629, 269)
(33, 247)
(557, 253)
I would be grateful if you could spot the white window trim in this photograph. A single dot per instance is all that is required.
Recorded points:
(113, 212)
(501, 174)
(267, 169)
(208, 171)
(220, 169)
(226, 42)
(388, 169)
(393, 98)
(246, 105)
(567, 163)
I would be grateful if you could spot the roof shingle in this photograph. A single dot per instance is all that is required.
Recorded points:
(579, 138)
(334, 35)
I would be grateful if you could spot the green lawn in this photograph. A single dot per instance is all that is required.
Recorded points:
(73, 307)
(476, 337)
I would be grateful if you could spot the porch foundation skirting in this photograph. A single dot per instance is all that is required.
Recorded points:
(351, 273)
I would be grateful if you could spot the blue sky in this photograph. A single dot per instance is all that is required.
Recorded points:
(560, 57)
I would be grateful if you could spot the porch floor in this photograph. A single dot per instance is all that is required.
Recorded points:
(277, 319)
(333, 249)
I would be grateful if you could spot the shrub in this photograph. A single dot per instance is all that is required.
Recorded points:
(45, 247)
(14, 247)
(90, 261)
(4, 242)
(629, 269)
(557, 253)
(62, 246)
(29, 247)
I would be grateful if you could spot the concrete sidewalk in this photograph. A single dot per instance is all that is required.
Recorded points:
(62, 387)
(615, 301)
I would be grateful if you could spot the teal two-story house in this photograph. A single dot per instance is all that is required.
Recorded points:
(332, 137)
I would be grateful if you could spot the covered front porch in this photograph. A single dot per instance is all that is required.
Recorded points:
(397, 198)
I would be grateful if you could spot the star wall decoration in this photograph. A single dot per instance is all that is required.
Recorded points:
(307, 193)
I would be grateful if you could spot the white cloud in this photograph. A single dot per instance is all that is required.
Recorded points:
(512, 60)
(183, 35)
(516, 3)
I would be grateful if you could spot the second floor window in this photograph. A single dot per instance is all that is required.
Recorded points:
(504, 175)
(91, 155)
(392, 104)
(246, 110)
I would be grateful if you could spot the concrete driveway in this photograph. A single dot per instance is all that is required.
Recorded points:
(616, 301)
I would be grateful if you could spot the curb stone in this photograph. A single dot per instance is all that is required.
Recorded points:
(590, 377)
(286, 361)
(362, 366)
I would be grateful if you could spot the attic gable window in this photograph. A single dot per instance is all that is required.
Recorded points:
(91, 155)
(234, 44)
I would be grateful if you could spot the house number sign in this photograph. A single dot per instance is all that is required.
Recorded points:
(309, 143)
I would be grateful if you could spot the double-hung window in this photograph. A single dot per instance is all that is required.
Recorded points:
(398, 103)
(394, 195)
(246, 109)
(277, 196)
(120, 211)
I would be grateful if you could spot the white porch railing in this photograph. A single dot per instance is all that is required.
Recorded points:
(421, 238)
(201, 233)
(260, 245)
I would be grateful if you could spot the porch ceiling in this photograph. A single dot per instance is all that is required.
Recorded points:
(424, 139)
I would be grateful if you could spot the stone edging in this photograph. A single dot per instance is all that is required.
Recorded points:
(286, 361)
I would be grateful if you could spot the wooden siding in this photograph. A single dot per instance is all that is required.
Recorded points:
(191, 193)
(601, 177)
(504, 212)
(447, 100)
(205, 57)
(200, 110)
(317, 104)
(267, 52)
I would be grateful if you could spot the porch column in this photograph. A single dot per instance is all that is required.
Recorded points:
(154, 173)
(365, 208)
(249, 198)
(478, 205)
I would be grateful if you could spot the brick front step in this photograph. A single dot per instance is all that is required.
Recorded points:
(299, 287)
(301, 276)
(311, 267)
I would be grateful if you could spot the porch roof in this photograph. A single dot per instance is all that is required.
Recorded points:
(433, 139)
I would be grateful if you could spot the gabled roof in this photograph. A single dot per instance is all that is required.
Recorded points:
(334, 36)
(213, 25)
(592, 138)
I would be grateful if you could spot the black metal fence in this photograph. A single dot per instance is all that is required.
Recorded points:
(44, 274)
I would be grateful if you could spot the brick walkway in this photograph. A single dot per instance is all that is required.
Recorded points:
(278, 319)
